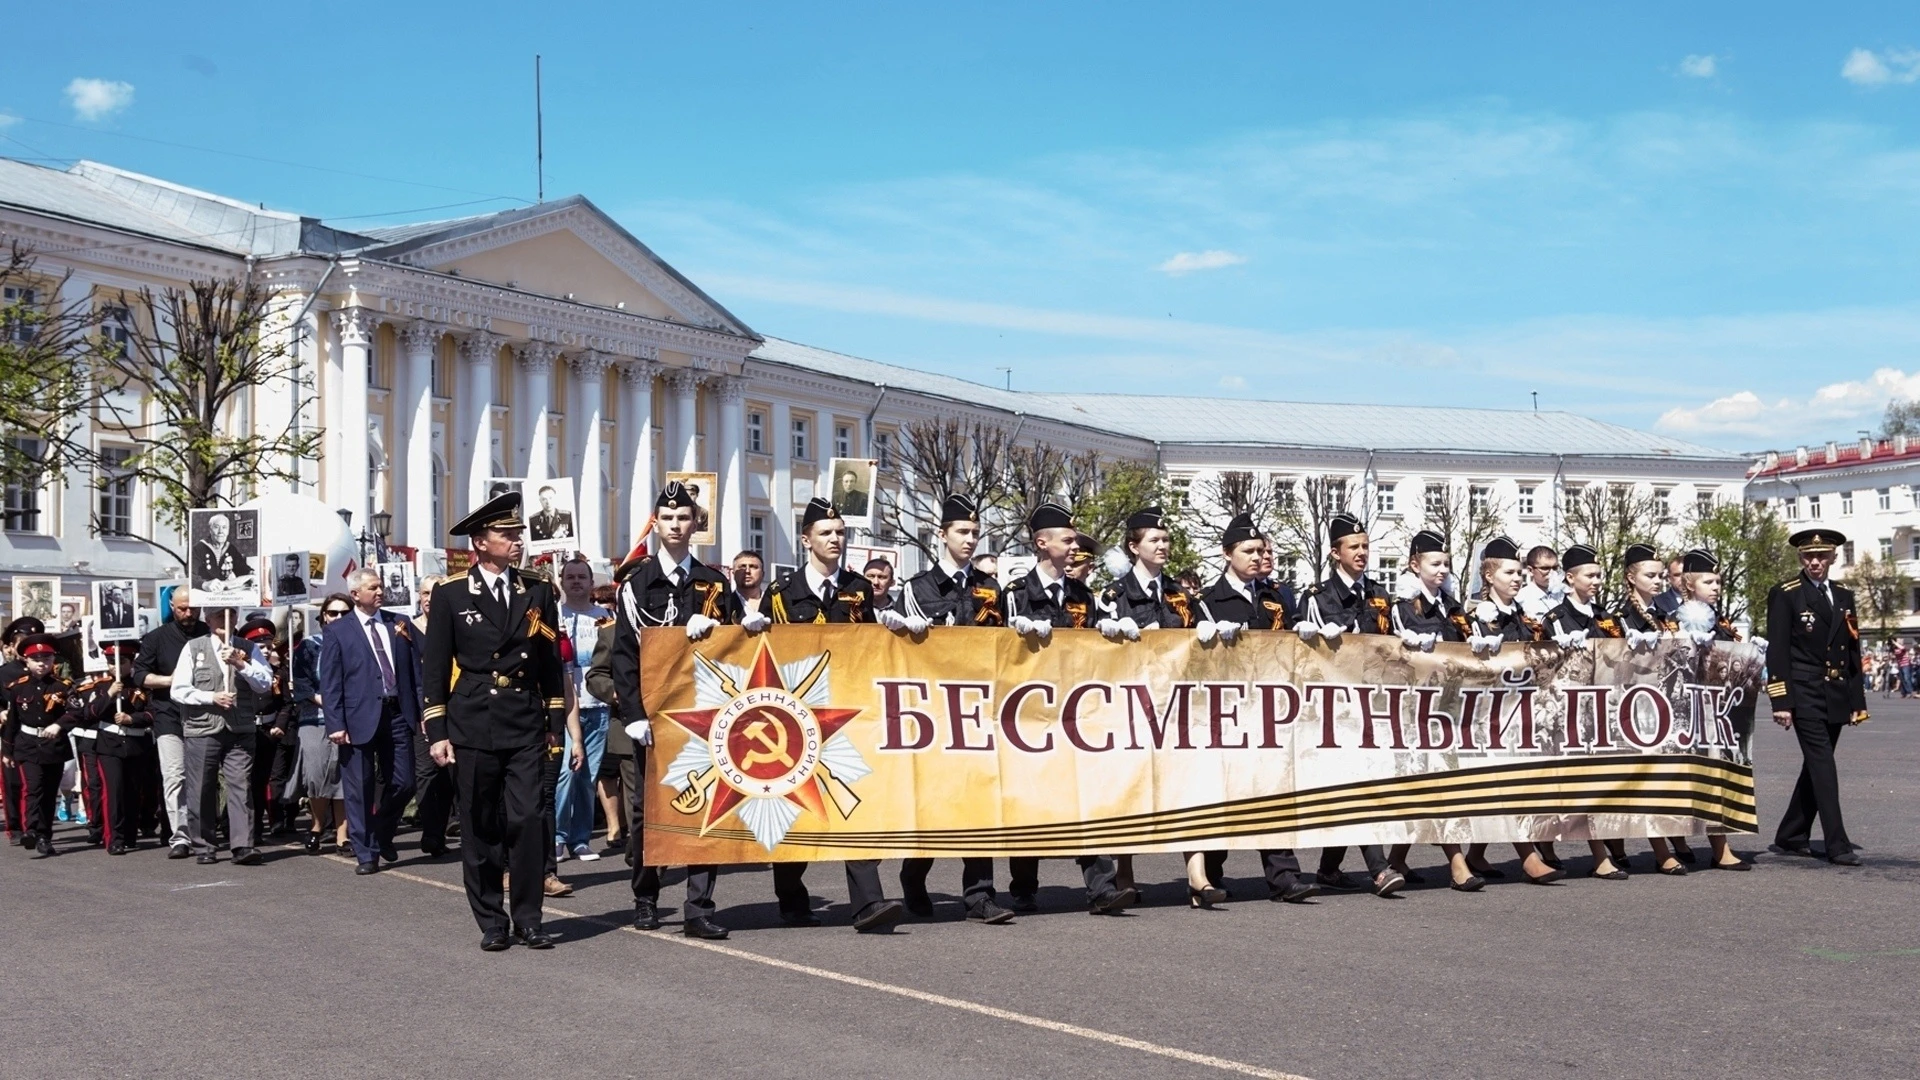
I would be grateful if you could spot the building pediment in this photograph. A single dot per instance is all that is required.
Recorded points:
(569, 250)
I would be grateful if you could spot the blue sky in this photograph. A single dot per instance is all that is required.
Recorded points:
(1704, 221)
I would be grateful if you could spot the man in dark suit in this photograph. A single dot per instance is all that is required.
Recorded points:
(848, 497)
(822, 591)
(370, 694)
(115, 612)
(1813, 662)
(496, 722)
(551, 524)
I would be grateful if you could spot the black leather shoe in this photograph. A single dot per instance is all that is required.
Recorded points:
(1414, 877)
(1844, 858)
(495, 941)
(246, 856)
(1114, 902)
(206, 860)
(1023, 902)
(312, 843)
(1296, 892)
(533, 937)
(433, 851)
(45, 850)
(1801, 850)
(1339, 882)
(989, 913)
(916, 898)
(799, 917)
(646, 916)
(365, 868)
(1474, 883)
(704, 928)
(118, 848)
(178, 851)
(879, 916)
(1547, 878)
(389, 852)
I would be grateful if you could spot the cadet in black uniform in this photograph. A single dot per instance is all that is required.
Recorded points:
(1813, 662)
(34, 737)
(953, 593)
(1642, 621)
(1244, 599)
(496, 721)
(122, 722)
(822, 591)
(1349, 602)
(1041, 600)
(13, 792)
(1571, 623)
(668, 589)
(1700, 619)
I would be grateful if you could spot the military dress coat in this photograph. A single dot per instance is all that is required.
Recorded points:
(492, 676)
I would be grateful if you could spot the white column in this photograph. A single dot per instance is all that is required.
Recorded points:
(781, 542)
(685, 385)
(590, 373)
(356, 326)
(730, 397)
(637, 432)
(536, 363)
(480, 350)
(419, 343)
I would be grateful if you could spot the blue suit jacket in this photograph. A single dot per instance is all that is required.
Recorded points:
(350, 676)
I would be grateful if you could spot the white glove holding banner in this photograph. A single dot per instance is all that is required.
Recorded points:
(1109, 629)
(1642, 640)
(1307, 631)
(1206, 631)
(1487, 645)
(1331, 632)
(917, 624)
(699, 626)
(1411, 638)
(755, 621)
(1229, 631)
(891, 619)
(641, 732)
(1130, 628)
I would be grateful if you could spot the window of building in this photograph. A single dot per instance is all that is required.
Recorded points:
(21, 510)
(799, 549)
(1663, 505)
(1386, 569)
(757, 533)
(1527, 502)
(1383, 502)
(756, 432)
(1792, 507)
(115, 509)
(1703, 500)
(442, 382)
(802, 441)
(1846, 554)
(1334, 495)
(1913, 547)
(1434, 500)
(116, 327)
(1916, 598)
(843, 440)
(1886, 549)
(1813, 507)
(1285, 498)
(883, 448)
(439, 498)
(1885, 496)
(1480, 499)
(1179, 486)
(15, 326)
(1846, 503)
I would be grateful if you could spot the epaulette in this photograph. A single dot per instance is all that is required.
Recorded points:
(536, 573)
(1790, 584)
(18, 681)
(461, 576)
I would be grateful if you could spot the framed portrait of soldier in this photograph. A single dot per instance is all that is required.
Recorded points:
(37, 598)
(223, 561)
(146, 619)
(92, 657)
(850, 486)
(286, 579)
(396, 586)
(548, 506)
(705, 489)
(116, 609)
(73, 607)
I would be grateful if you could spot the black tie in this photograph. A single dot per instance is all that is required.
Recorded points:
(826, 593)
(960, 581)
(1053, 593)
(679, 576)
(500, 590)
(1153, 590)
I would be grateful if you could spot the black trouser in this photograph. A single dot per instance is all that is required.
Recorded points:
(148, 790)
(433, 796)
(501, 823)
(89, 769)
(260, 780)
(286, 753)
(1280, 866)
(646, 879)
(1023, 875)
(115, 776)
(40, 786)
(1818, 790)
(863, 885)
(549, 783)
(1374, 854)
(13, 788)
(976, 878)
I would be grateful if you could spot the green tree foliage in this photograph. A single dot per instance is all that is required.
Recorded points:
(1750, 541)
(1901, 418)
(1608, 518)
(1882, 593)
(46, 358)
(1116, 490)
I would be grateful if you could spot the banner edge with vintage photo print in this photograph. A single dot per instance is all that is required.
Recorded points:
(836, 742)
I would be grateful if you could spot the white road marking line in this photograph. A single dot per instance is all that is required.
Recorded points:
(1094, 1034)
(205, 885)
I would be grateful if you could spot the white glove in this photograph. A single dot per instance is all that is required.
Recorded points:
(1572, 639)
(753, 622)
(1131, 628)
(890, 619)
(917, 624)
(1760, 641)
(1331, 632)
(1307, 631)
(1109, 629)
(1484, 646)
(699, 626)
(1642, 640)
(641, 732)
(1022, 625)
(1411, 638)
(1701, 637)
(1043, 630)
(1206, 631)
(1228, 631)
(1428, 641)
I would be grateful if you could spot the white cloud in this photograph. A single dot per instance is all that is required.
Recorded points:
(7, 120)
(1696, 66)
(1831, 406)
(1186, 262)
(1233, 382)
(1864, 67)
(97, 99)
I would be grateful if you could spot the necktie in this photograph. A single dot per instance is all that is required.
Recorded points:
(500, 590)
(679, 577)
(1053, 593)
(960, 581)
(1153, 590)
(826, 593)
(380, 654)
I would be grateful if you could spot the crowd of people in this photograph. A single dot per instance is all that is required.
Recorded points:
(508, 714)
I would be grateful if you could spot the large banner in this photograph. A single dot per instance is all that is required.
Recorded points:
(837, 742)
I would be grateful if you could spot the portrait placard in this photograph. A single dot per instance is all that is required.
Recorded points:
(116, 610)
(223, 564)
(548, 506)
(850, 487)
(705, 489)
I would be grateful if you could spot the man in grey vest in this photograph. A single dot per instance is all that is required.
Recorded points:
(219, 737)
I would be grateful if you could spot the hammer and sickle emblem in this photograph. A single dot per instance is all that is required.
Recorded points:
(773, 742)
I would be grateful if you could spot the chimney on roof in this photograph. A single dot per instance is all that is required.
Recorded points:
(1833, 452)
(1866, 448)
(1800, 455)
(1899, 444)
(1772, 460)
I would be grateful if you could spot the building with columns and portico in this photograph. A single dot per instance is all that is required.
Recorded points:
(548, 342)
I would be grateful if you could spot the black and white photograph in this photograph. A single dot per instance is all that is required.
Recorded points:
(705, 489)
(36, 598)
(850, 483)
(223, 568)
(548, 505)
(92, 657)
(286, 578)
(396, 583)
(116, 608)
(145, 619)
(73, 607)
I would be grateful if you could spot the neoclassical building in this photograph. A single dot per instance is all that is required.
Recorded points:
(548, 342)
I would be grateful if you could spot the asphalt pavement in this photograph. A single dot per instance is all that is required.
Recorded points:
(140, 966)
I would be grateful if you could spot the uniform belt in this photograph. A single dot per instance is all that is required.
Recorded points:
(493, 679)
(33, 731)
(1830, 672)
(84, 733)
(116, 729)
